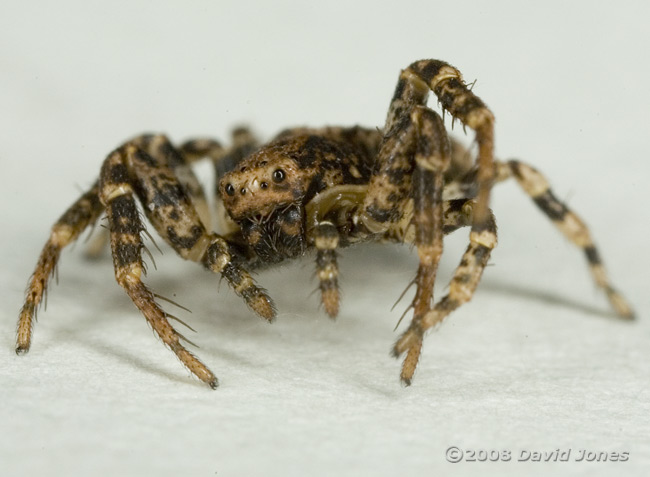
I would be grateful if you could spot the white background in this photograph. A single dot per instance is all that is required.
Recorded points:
(536, 362)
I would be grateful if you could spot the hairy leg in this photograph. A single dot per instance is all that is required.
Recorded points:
(412, 163)
(179, 161)
(326, 240)
(131, 172)
(161, 149)
(432, 158)
(573, 228)
(170, 210)
(461, 288)
(117, 195)
(455, 97)
(224, 160)
(84, 212)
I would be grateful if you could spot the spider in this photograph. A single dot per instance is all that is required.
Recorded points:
(313, 190)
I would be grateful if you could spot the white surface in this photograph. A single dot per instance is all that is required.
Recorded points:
(535, 362)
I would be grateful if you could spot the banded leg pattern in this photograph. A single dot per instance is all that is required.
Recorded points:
(224, 160)
(218, 259)
(461, 288)
(131, 172)
(432, 158)
(457, 98)
(171, 211)
(326, 240)
(116, 194)
(84, 212)
(573, 228)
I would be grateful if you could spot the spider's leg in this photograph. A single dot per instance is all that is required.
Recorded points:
(198, 148)
(130, 171)
(326, 240)
(116, 193)
(179, 161)
(462, 285)
(432, 158)
(169, 207)
(219, 259)
(456, 98)
(389, 187)
(84, 212)
(573, 228)
(411, 164)
(224, 160)
(162, 150)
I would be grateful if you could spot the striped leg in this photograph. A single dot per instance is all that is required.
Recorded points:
(84, 212)
(161, 149)
(537, 187)
(432, 158)
(243, 143)
(224, 160)
(461, 288)
(131, 171)
(219, 258)
(456, 98)
(126, 245)
(170, 209)
(198, 148)
(326, 240)
(179, 161)
(412, 163)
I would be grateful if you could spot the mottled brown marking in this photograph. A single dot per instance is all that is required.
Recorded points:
(326, 240)
(316, 189)
(81, 214)
(571, 226)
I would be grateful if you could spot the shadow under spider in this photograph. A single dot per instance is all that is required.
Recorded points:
(547, 297)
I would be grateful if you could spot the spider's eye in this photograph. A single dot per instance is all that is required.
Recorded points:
(278, 175)
(230, 189)
(264, 185)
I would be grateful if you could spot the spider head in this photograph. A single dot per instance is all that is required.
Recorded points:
(261, 184)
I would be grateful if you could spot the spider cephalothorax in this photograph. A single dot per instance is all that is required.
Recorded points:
(291, 170)
(314, 189)
(266, 194)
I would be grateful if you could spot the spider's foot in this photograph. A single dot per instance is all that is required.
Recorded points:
(411, 344)
(255, 297)
(327, 269)
(21, 350)
(261, 303)
(25, 326)
(620, 304)
(410, 363)
(330, 299)
(23, 343)
(196, 367)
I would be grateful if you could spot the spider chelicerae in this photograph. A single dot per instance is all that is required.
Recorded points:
(313, 189)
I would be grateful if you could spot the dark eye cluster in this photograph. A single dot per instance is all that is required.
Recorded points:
(278, 176)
